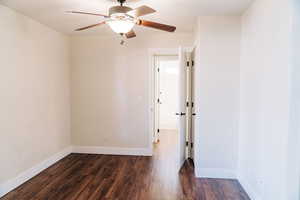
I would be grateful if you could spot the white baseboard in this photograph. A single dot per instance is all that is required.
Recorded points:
(113, 150)
(28, 174)
(248, 188)
(215, 173)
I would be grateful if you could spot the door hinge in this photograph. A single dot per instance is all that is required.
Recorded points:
(187, 63)
(187, 104)
(158, 69)
(187, 144)
(192, 104)
(158, 130)
(193, 63)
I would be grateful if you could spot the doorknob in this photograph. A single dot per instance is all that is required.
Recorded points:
(158, 101)
(181, 114)
(194, 114)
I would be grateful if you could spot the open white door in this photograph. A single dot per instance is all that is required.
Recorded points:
(193, 112)
(182, 106)
(157, 99)
(189, 105)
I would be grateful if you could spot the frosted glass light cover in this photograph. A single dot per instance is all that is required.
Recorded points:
(120, 26)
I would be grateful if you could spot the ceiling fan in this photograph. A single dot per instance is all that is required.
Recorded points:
(122, 19)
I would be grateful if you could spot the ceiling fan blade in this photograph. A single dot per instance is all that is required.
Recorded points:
(86, 13)
(90, 26)
(155, 25)
(130, 34)
(141, 11)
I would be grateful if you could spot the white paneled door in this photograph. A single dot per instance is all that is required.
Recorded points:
(182, 105)
(157, 99)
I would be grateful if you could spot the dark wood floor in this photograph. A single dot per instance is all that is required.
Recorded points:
(97, 177)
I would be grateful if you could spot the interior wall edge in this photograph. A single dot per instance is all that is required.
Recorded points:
(211, 38)
(37, 21)
(35, 170)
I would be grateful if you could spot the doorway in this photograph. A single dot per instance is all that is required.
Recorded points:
(166, 94)
(171, 99)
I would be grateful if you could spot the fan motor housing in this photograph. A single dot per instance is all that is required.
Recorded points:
(119, 9)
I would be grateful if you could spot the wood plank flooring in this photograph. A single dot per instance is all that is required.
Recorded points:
(106, 177)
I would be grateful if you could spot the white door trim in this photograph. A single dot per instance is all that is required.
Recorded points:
(151, 89)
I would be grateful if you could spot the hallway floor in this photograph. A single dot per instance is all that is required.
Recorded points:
(107, 177)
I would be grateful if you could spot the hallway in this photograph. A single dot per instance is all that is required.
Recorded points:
(107, 177)
(171, 185)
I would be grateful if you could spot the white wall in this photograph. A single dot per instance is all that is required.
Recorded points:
(110, 89)
(110, 95)
(293, 167)
(169, 75)
(216, 92)
(34, 93)
(264, 100)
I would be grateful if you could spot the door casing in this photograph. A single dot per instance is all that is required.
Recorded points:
(152, 101)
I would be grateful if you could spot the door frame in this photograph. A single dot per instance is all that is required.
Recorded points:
(152, 52)
(157, 90)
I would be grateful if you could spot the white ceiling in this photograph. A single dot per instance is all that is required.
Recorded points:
(181, 13)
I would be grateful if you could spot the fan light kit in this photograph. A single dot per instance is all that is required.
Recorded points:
(121, 20)
(120, 26)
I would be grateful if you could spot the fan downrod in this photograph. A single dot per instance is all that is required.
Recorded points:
(121, 2)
